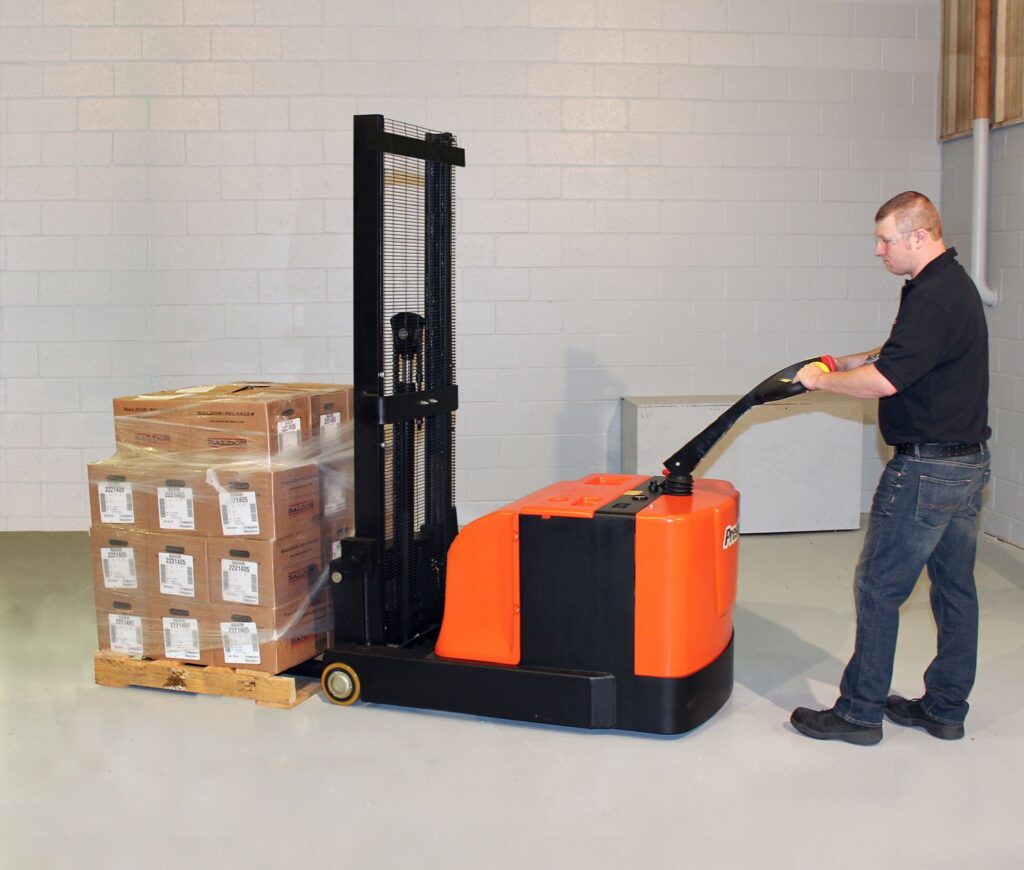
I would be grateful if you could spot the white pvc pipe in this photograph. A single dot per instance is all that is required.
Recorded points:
(980, 128)
(979, 212)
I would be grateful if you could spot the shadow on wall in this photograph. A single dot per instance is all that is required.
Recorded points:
(591, 418)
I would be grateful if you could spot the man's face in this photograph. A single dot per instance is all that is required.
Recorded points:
(895, 248)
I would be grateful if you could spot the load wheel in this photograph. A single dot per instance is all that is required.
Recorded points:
(340, 684)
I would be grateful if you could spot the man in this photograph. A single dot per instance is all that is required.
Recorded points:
(931, 379)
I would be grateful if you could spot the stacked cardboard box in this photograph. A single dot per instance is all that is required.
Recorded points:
(214, 523)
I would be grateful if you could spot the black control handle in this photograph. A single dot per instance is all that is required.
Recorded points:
(781, 385)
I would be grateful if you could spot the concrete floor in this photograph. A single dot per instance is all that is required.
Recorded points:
(97, 777)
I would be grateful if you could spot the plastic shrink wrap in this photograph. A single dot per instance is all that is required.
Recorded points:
(214, 523)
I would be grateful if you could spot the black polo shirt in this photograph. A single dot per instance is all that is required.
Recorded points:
(937, 359)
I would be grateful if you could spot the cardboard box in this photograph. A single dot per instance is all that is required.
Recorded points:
(337, 468)
(182, 501)
(157, 422)
(178, 569)
(119, 494)
(330, 407)
(123, 625)
(270, 639)
(244, 418)
(250, 421)
(264, 502)
(186, 632)
(258, 573)
(152, 494)
(119, 561)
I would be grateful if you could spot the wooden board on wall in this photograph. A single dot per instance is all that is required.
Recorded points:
(957, 68)
(1008, 107)
(957, 102)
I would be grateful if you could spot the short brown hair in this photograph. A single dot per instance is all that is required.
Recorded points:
(912, 210)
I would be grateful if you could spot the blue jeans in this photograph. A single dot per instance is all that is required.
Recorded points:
(924, 514)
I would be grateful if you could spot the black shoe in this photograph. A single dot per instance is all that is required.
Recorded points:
(826, 725)
(904, 712)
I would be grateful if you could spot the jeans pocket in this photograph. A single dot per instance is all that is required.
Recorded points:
(889, 486)
(938, 500)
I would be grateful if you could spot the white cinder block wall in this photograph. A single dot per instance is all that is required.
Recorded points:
(661, 197)
(1004, 514)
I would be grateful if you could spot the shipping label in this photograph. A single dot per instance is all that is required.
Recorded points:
(177, 508)
(334, 496)
(116, 503)
(238, 515)
(289, 434)
(330, 426)
(119, 568)
(177, 574)
(240, 581)
(125, 633)
(241, 643)
(181, 638)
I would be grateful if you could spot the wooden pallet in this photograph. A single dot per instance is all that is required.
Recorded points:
(284, 692)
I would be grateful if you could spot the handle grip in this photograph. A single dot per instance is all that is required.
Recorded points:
(782, 386)
(680, 465)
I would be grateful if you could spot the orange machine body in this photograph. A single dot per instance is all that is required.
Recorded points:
(683, 581)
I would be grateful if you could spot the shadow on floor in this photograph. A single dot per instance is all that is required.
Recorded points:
(1003, 560)
(770, 658)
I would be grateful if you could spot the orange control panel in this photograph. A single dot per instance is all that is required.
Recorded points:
(583, 497)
